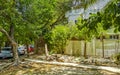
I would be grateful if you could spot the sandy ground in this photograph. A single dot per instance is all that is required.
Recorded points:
(32, 68)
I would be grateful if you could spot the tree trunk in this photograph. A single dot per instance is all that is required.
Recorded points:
(27, 46)
(41, 45)
(14, 45)
(36, 46)
(46, 52)
(15, 53)
(85, 49)
(94, 47)
(11, 34)
(102, 40)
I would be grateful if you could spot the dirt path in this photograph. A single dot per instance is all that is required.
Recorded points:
(111, 69)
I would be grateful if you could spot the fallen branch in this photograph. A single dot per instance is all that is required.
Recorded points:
(111, 69)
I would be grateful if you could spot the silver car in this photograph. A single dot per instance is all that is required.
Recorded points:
(6, 52)
(21, 50)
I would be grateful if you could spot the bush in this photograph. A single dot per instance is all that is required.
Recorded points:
(59, 37)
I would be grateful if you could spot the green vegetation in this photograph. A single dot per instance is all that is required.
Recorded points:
(24, 21)
(59, 37)
(42, 28)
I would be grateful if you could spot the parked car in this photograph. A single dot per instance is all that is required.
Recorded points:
(21, 50)
(31, 49)
(6, 52)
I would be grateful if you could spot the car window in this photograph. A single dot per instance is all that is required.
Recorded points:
(6, 49)
(4, 52)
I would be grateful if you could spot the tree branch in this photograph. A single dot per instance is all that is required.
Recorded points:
(7, 35)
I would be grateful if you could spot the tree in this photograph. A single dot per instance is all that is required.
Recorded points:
(87, 30)
(53, 13)
(58, 39)
(9, 18)
(38, 16)
(65, 7)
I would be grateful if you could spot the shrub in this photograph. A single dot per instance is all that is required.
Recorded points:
(59, 37)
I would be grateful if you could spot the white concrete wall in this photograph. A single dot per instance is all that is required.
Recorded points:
(94, 48)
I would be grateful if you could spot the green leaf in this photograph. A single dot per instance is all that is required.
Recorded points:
(0, 34)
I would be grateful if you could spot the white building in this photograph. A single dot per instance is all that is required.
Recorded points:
(75, 13)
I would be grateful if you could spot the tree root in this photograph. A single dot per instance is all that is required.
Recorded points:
(5, 66)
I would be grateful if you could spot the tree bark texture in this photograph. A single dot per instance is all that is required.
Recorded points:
(15, 53)
(40, 46)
